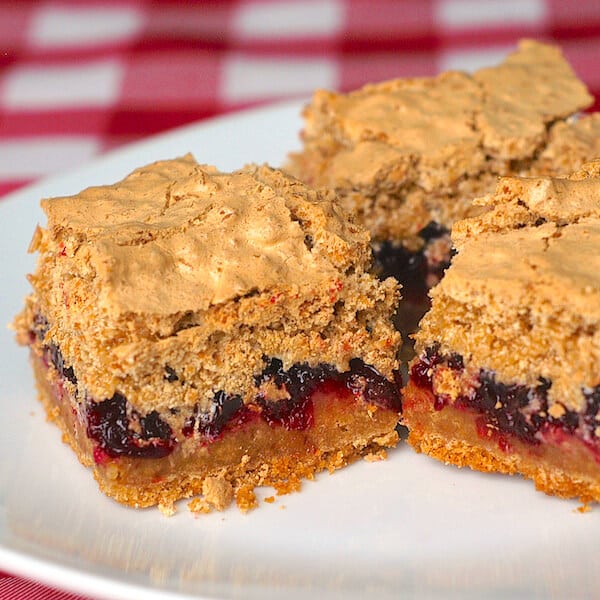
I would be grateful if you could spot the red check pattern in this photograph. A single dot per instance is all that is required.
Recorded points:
(78, 78)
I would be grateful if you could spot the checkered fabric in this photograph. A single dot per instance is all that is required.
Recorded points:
(15, 588)
(78, 78)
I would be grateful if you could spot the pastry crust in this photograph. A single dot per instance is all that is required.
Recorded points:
(185, 325)
(507, 374)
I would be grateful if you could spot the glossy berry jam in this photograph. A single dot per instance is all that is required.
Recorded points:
(120, 430)
(515, 409)
(293, 408)
(301, 381)
(284, 398)
(366, 380)
(507, 406)
(411, 269)
(290, 413)
(55, 357)
(210, 425)
(421, 372)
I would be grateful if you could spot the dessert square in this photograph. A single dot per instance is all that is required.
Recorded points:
(507, 373)
(408, 156)
(194, 332)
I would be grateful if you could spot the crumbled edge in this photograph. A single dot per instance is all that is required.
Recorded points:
(217, 493)
(376, 456)
(246, 498)
(168, 509)
(285, 477)
(584, 507)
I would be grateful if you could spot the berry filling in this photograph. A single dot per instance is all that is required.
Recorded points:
(416, 271)
(518, 410)
(119, 430)
(284, 398)
(52, 355)
(224, 409)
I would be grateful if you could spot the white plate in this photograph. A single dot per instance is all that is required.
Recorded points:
(406, 526)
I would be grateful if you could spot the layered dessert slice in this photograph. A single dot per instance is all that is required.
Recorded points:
(408, 156)
(194, 332)
(507, 372)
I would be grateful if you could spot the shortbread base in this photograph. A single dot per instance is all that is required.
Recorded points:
(560, 465)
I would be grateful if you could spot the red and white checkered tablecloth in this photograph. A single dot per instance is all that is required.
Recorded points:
(78, 78)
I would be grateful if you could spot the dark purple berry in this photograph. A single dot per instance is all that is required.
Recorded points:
(510, 408)
(211, 424)
(110, 424)
(421, 372)
(296, 410)
(433, 231)
(411, 269)
(502, 404)
(170, 374)
(375, 389)
(58, 362)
